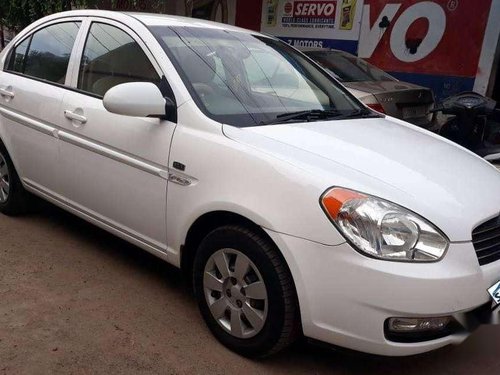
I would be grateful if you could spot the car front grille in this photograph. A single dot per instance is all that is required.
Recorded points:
(486, 240)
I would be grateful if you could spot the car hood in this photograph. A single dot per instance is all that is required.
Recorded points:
(446, 184)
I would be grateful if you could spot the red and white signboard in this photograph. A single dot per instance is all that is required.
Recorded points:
(315, 19)
(440, 37)
(451, 42)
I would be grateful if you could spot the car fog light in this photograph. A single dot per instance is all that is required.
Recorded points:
(401, 325)
(420, 329)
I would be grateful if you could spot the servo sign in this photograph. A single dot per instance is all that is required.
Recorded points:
(313, 13)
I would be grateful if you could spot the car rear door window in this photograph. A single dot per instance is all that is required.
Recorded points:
(111, 57)
(46, 53)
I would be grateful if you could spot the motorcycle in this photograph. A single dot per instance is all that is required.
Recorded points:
(473, 122)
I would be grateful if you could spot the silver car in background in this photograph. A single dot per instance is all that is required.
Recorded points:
(377, 89)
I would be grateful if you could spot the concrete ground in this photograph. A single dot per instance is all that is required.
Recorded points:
(74, 299)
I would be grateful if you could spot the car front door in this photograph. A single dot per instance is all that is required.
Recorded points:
(32, 85)
(115, 166)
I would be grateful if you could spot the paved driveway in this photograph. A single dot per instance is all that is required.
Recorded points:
(74, 299)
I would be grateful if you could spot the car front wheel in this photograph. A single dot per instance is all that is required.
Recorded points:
(245, 292)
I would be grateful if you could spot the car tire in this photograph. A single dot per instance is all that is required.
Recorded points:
(226, 293)
(13, 198)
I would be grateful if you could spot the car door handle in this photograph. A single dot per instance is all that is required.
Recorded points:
(6, 93)
(75, 116)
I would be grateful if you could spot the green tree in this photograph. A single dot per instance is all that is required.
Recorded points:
(17, 14)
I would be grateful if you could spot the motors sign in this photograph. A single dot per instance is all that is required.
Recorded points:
(314, 13)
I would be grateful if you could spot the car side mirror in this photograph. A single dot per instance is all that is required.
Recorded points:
(139, 99)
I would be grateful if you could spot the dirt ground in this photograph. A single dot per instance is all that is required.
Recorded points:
(74, 299)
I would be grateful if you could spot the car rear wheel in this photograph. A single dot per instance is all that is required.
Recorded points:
(245, 292)
(13, 197)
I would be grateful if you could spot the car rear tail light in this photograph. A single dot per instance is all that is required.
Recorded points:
(376, 107)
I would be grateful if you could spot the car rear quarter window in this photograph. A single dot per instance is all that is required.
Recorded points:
(18, 56)
(46, 53)
(111, 57)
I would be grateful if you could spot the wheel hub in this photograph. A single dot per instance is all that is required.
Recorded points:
(4, 180)
(235, 293)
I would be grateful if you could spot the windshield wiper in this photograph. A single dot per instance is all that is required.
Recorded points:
(360, 113)
(309, 115)
(320, 114)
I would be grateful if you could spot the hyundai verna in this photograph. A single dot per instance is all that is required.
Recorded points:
(293, 208)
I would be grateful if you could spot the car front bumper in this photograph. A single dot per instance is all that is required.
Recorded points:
(345, 298)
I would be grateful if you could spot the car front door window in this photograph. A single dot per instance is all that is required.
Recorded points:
(112, 57)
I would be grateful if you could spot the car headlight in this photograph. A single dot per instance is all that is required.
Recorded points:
(382, 229)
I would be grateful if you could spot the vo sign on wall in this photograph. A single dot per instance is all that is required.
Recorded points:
(424, 36)
(404, 48)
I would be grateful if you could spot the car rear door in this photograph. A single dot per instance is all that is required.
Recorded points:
(32, 85)
(115, 166)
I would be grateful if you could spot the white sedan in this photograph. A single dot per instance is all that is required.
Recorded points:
(293, 208)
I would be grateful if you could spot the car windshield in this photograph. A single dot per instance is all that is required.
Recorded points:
(348, 68)
(247, 80)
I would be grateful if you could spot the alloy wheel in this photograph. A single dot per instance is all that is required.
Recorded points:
(4, 180)
(235, 293)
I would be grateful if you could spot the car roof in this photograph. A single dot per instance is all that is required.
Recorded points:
(149, 19)
(156, 19)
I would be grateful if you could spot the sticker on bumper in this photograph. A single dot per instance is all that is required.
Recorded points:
(494, 292)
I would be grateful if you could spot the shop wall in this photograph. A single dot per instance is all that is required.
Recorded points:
(447, 45)
(213, 10)
(436, 43)
(248, 14)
